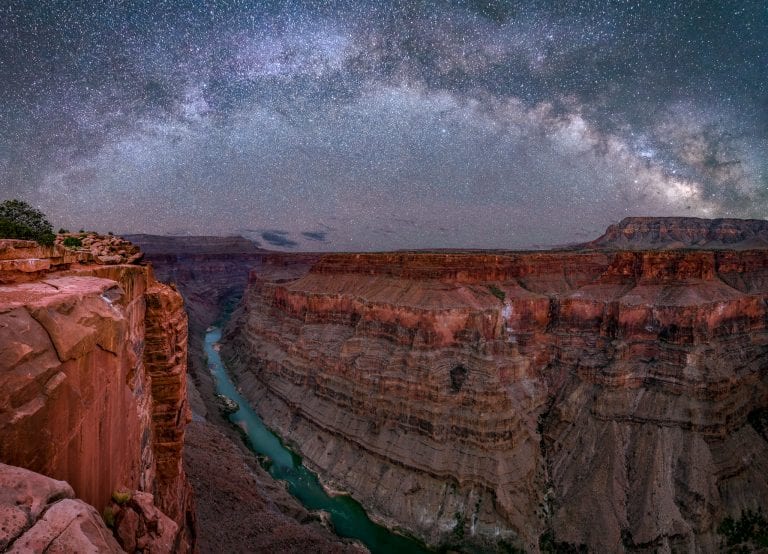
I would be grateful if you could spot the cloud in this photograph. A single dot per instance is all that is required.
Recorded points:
(278, 238)
(319, 236)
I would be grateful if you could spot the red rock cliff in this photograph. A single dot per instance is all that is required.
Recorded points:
(92, 379)
(596, 398)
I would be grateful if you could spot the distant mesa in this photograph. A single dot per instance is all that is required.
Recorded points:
(641, 233)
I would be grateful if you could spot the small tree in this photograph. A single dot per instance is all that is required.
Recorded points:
(72, 242)
(19, 220)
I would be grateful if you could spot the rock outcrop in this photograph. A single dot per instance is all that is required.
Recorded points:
(596, 399)
(93, 380)
(40, 514)
(139, 525)
(100, 249)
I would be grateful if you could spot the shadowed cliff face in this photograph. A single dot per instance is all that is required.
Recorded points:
(209, 271)
(597, 398)
(93, 379)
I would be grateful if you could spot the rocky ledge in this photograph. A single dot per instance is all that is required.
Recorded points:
(598, 399)
(93, 379)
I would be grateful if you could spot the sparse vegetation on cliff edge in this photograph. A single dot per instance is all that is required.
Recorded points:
(497, 292)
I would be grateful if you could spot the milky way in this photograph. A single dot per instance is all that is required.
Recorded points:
(371, 125)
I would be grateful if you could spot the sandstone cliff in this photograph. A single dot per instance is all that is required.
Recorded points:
(93, 377)
(40, 514)
(596, 399)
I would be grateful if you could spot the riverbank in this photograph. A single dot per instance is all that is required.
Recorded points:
(346, 515)
(239, 506)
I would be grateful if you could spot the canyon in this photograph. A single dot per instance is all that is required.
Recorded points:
(602, 397)
(105, 445)
(605, 396)
(239, 507)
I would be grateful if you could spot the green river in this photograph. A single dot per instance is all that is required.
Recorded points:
(348, 517)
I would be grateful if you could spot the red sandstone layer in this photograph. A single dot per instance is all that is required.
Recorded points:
(602, 396)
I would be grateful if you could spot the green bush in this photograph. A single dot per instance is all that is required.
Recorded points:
(121, 497)
(109, 517)
(19, 220)
(72, 242)
(497, 292)
(748, 533)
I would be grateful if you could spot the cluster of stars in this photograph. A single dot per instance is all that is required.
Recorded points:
(382, 125)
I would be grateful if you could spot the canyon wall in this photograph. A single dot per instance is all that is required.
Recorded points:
(594, 399)
(239, 507)
(210, 272)
(683, 232)
(93, 377)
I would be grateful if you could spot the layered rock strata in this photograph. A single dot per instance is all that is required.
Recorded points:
(93, 381)
(596, 398)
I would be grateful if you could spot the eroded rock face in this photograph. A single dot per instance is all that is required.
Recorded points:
(40, 514)
(594, 398)
(93, 383)
(140, 526)
(210, 272)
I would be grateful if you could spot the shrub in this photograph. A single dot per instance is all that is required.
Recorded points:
(72, 242)
(458, 529)
(746, 534)
(497, 292)
(19, 220)
(63, 231)
(109, 517)
(121, 496)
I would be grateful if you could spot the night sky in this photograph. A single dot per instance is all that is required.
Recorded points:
(371, 125)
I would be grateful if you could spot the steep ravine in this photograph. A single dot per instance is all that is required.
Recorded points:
(211, 274)
(594, 399)
(346, 516)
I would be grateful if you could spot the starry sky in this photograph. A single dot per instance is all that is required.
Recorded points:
(369, 125)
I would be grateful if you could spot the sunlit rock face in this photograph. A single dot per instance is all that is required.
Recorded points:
(93, 381)
(595, 397)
